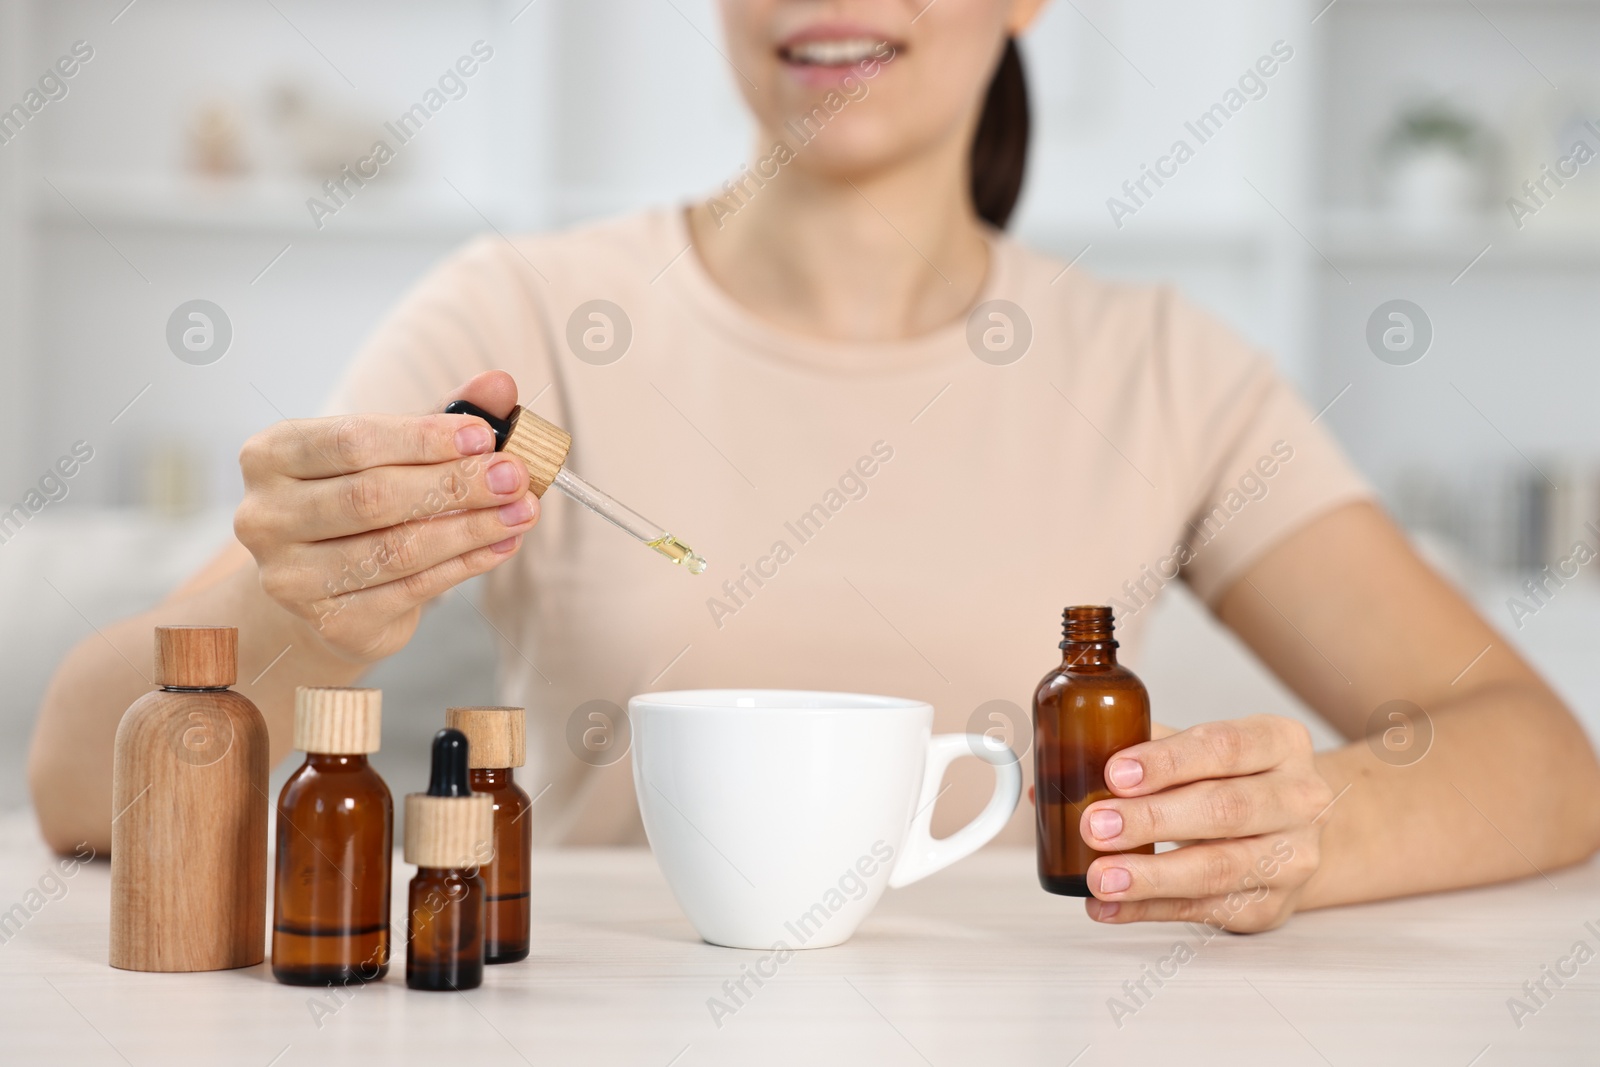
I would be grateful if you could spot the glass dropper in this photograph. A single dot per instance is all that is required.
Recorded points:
(543, 448)
(628, 520)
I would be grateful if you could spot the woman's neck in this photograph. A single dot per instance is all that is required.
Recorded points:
(878, 257)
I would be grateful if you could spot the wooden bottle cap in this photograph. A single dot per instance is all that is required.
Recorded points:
(542, 446)
(449, 832)
(337, 722)
(189, 840)
(197, 657)
(495, 736)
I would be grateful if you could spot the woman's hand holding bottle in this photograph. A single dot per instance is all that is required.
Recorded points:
(1244, 797)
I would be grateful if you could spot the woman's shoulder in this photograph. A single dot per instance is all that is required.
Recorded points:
(495, 302)
(1146, 323)
(620, 249)
(1065, 295)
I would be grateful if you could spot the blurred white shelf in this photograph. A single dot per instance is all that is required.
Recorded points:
(178, 202)
(1375, 239)
(1221, 240)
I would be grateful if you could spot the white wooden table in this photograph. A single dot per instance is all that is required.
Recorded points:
(974, 966)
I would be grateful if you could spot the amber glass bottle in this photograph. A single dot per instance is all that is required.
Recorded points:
(449, 834)
(330, 919)
(495, 744)
(446, 917)
(1084, 711)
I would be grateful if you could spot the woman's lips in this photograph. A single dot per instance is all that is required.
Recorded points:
(831, 51)
(826, 56)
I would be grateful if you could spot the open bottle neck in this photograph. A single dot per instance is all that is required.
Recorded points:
(1086, 631)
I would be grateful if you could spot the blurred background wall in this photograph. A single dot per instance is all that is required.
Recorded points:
(1379, 162)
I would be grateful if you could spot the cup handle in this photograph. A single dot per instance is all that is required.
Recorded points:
(921, 855)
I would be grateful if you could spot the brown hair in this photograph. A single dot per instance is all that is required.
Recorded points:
(1000, 147)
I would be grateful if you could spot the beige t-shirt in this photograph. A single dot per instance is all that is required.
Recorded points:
(901, 518)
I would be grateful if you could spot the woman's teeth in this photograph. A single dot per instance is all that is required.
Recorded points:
(834, 53)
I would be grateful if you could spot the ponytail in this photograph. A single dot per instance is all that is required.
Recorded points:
(1000, 147)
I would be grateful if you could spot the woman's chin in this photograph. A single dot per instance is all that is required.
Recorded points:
(854, 147)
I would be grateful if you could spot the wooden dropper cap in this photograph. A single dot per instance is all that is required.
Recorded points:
(542, 446)
(495, 736)
(449, 826)
(337, 722)
(197, 657)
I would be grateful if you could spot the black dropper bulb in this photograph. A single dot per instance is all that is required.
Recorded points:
(501, 427)
(449, 775)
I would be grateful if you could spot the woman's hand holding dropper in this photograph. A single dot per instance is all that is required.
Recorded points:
(357, 521)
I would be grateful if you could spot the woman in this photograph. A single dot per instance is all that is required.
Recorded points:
(898, 483)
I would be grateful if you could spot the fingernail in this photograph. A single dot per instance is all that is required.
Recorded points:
(1105, 823)
(1115, 879)
(501, 548)
(474, 440)
(516, 513)
(1125, 773)
(502, 477)
(1108, 910)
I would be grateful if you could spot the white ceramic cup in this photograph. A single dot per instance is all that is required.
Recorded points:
(778, 816)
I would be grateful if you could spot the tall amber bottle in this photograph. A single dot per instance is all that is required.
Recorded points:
(330, 919)
(189, 814)
(495, 744)
(1084, 711)
(449, 835)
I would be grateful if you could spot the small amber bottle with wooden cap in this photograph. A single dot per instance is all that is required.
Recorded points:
(330, 920)
(449, 835)
(495, 744)
(1084, 712)
(189, 814)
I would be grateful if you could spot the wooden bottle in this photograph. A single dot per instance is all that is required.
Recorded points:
(189, 814)
(495, 744)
